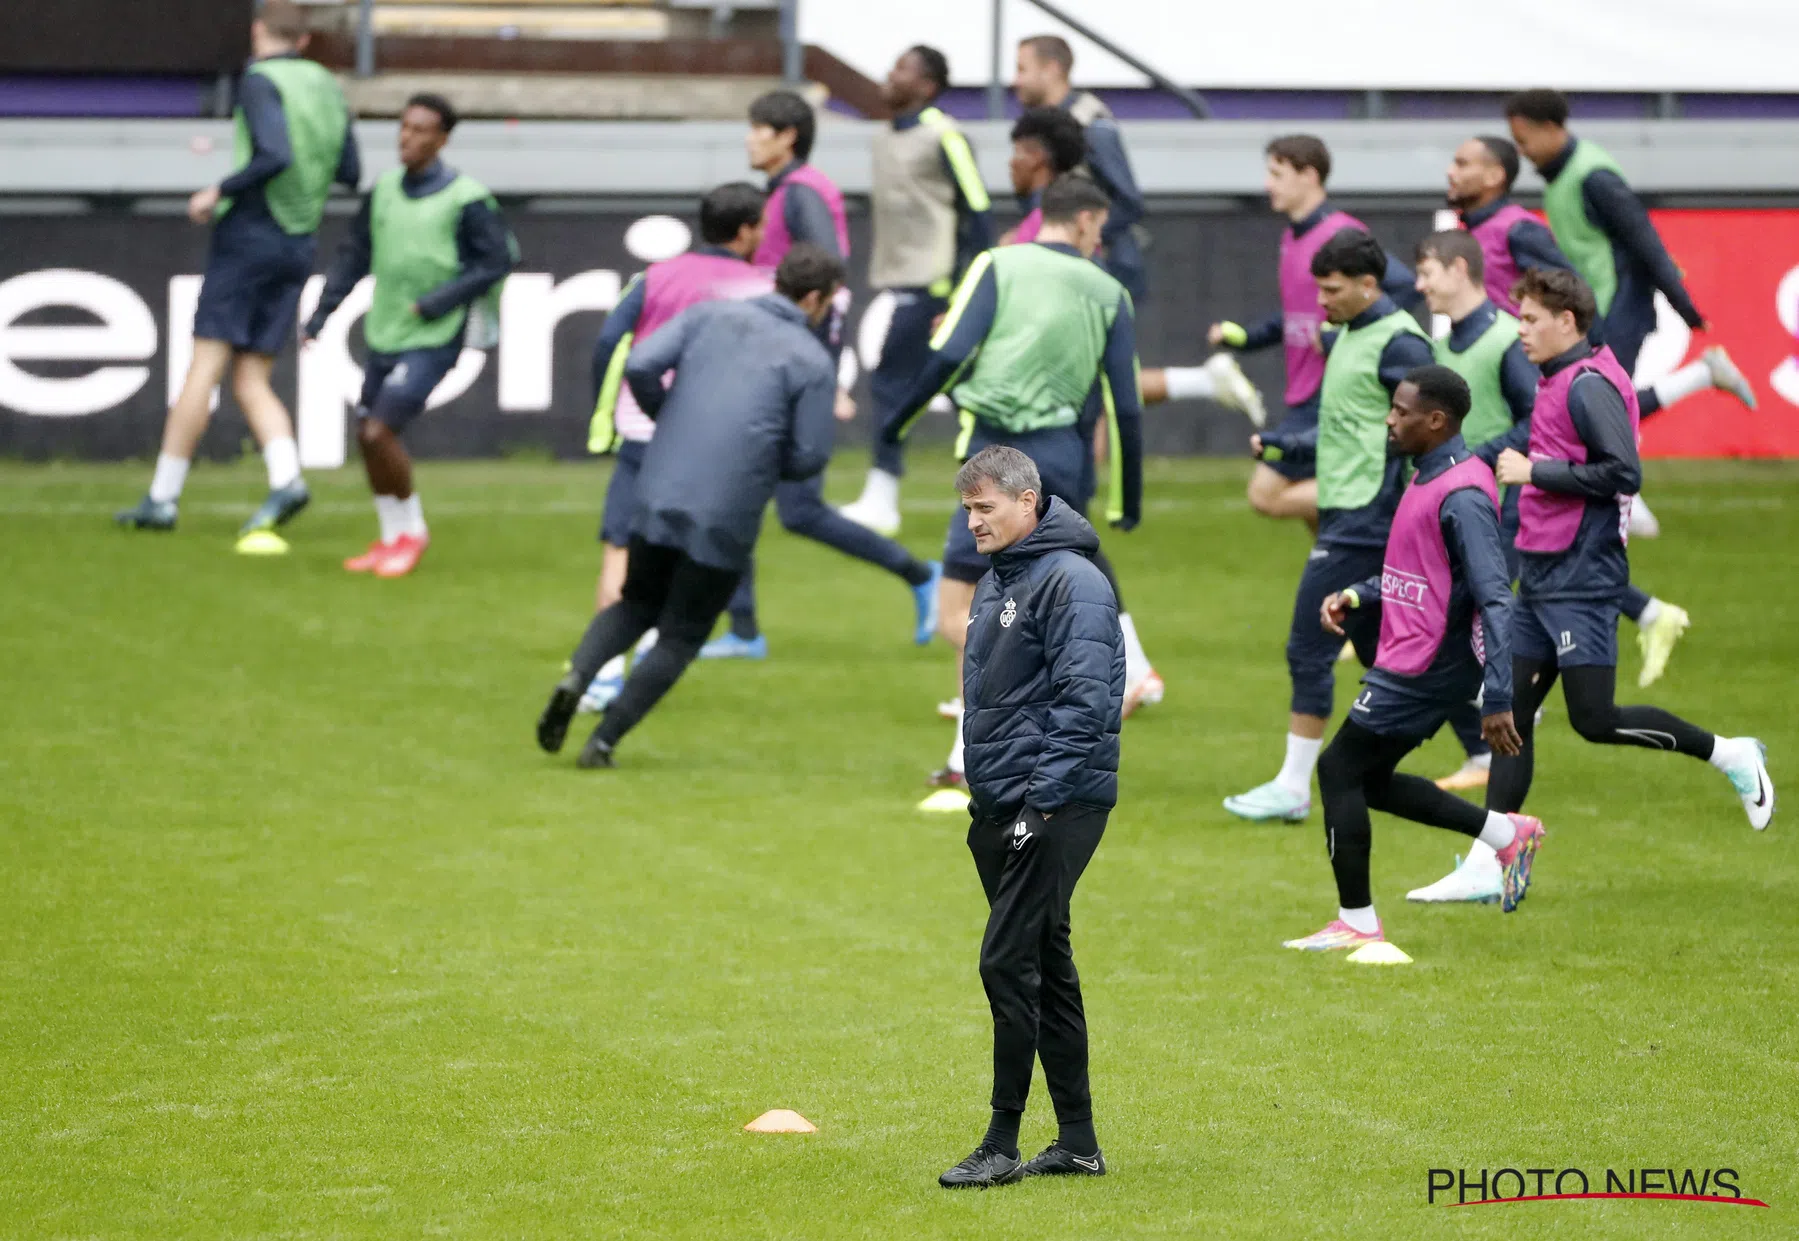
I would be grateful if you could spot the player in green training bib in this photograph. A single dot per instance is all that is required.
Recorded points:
(1359, 483)
(293, 140)
(1036, 337)
(439, 250)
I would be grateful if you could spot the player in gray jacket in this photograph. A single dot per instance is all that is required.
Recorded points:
(750, 405)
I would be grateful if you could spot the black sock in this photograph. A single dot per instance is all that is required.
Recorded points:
(917, 573)
(1077, 1137)
(745, 627)
(1002, 1133)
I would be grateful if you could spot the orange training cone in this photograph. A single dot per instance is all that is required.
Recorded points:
(781, 1120)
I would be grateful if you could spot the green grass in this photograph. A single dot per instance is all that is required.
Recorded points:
(300, 936)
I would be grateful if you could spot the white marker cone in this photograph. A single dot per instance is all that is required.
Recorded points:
(1379, 953)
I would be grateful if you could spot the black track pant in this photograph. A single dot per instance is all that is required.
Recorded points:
(1591, 695)
(1355, 774)
(1028, 869)
(664, 590)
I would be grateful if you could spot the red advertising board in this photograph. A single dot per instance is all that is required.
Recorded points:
(1742, 268)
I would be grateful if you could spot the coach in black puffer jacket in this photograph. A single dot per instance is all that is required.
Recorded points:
(1043, 675)
(1043, 692)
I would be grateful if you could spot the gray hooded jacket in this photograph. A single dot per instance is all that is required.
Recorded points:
(750, 406)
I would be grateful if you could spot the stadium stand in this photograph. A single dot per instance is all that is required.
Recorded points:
(570, 59)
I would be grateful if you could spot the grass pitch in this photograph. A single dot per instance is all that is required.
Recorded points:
(300, 936)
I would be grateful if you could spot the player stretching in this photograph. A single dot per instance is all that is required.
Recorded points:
(805, 206)
(1358, 488)
(1445, 615)
(1033, 331)
(1602, 227)
(717, 269)
(1577, 483)
(293, 140)
(1298, 167)
(1483, 348)
(435, 241)
(931, 217)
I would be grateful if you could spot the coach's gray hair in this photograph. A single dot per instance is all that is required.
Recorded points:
(1006, 468)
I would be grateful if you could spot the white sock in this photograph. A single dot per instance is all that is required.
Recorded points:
(1480, 853)
(1480, 762)
(1651, 610)
(613, 669)
(1726, 753)
(1302, 760)
(1136, 662)
(412, 513)
(1187, 383)
(645, 644)
(1362, 919)
(392, 516)
(955, 751)
(1499, 831)
(282, 456)
(169, 479)
(880, 488)
(1691, 378)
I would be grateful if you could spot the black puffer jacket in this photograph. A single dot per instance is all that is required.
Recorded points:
(1043, 675)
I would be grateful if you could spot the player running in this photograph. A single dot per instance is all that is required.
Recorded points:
(1046, 143)
(1445, 617)
(1483, 348)
(805, 206)
(931, 217)
(1513, 240)
(293, 140)
(1298, 167)
(1601, 226)
(1033, 331)
(1044, 64)
(750, 405)
(439, 251)
(731, 228)
(1576, 483)
(1376, 346)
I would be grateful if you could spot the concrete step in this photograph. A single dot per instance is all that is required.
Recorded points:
(519, 21)
(566, 96)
